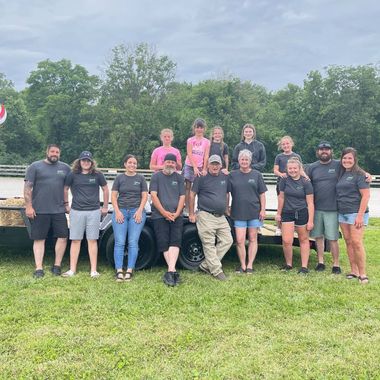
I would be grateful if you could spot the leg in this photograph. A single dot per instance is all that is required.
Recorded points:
(334, 248)
(252, 246)
(287, 231)
(74, 254)
(60, 247)
(320, 243)
(39, 251)
(134, 232)
(350, 250)
(207, 225)
(93, 253)
(120, 234)
(171, 257)
(303, 237)
(187, 194)
(240, 246)
(358, 249)
(223, 238)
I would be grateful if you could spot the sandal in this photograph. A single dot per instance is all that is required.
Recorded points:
(351, 276)
(363, 280)
(249, 270)
(119, 276)
(128, 276)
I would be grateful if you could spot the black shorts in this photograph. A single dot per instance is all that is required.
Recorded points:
(42, 223)
(168, 234)
(300, 217)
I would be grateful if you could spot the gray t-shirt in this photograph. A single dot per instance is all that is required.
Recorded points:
(295, 192)
(282, 160)
(212, 192)
(85, 190)
(48, 181)
(348, 192)
(129, 189)
(169, 188)
(324, 178)
(245, 190)
(220, 150)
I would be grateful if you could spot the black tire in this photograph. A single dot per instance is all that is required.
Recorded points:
(147, 249)
(191, 254)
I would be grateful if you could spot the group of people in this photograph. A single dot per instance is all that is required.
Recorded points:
(313, 201)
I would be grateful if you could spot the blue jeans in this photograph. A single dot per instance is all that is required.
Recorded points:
(120, 231)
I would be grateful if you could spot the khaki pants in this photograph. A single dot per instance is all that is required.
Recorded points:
(211, 227)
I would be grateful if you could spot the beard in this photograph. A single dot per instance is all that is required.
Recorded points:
(52, 159)
(169, 171)
(325, 157)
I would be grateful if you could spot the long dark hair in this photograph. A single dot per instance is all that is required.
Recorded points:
(76, 168)
(356, 168)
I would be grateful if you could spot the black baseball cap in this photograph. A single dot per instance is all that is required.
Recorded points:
(86, 155)
(324, 144)
(170, 157)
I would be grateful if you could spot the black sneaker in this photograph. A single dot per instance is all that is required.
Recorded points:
(39, 273)
(286, 268)
(177, 279)
(320, 267)
(56, 270)
(303, 270)
(336, 270)
(169, 279)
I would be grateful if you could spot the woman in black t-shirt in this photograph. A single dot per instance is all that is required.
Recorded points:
(353, 196)
(295, 211)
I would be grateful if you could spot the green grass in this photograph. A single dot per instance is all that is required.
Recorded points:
(269, 325)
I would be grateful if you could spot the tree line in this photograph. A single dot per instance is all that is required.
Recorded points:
(123, 110)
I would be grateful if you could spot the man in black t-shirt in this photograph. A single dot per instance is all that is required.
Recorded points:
(168, 198)
(45, 207)
(212, 191)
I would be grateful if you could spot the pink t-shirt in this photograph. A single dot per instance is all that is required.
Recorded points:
(159, 154)
(198, 150)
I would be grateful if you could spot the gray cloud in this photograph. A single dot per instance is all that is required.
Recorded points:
(268, 42)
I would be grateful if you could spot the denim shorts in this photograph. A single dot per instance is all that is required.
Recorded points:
(253, 223)
(188, 172)
(350, 218)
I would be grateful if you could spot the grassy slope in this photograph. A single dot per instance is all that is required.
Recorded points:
(269, 325)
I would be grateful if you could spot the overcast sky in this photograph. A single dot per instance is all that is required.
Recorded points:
(268, 42)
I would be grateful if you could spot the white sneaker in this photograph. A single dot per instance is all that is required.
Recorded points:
(94, 274)
(69, 273)
(277, 232)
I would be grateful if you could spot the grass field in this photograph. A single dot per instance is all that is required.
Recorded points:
(270, 325)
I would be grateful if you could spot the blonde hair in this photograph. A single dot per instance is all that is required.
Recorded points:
(294, 160)
(167, 130)
(282, 140)
(212, 133)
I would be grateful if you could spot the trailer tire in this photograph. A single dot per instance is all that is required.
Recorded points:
(191, 253)
(147, 256)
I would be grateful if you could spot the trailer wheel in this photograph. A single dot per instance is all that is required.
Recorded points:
(147, 250)
(191, 254)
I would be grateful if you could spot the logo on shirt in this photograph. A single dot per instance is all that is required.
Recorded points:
(61, 172)
(349, 178)
(252, 181)
(92, 181)
(174, 183)
(136, 183)
(223, 182)
(331, 171)
(299, 187)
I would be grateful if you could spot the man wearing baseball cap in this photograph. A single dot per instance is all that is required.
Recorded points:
(324, 177)
(213, 228)
(168, 198)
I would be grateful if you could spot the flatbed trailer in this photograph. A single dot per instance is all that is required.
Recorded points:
(191, 253)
